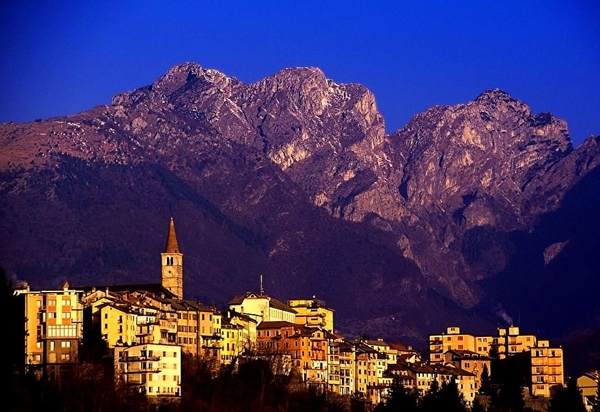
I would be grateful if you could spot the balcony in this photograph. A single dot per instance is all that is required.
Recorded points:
(136, 380)
(139, 358)
(141, 371)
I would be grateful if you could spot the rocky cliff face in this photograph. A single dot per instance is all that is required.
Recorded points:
(292, 177)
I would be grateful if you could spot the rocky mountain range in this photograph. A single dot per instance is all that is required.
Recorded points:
(477, 215)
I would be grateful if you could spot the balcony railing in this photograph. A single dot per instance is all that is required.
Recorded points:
(141, 370)
(138, 358)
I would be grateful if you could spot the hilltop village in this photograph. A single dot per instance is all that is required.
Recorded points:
(149, 328)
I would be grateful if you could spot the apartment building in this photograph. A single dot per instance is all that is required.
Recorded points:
(313, 313)
(588, 385)
(455, 339)
(511, 341)
(154, 369)
(53, 329)
(469, 361)
(547, 368)
(347, 367)
(261, 307)
(198, 328)
(232, 343)
(545, 363)
(246, 326)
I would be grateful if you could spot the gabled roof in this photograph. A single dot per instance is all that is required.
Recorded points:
(190, 305)
(400, 347)
(453, 370)
(274, 303)
(373, 342)
(277, 304)
(595, 375)
(276, 324)
(466, 354)
(234, 314)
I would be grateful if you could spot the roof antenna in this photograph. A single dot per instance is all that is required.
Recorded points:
(262, 291)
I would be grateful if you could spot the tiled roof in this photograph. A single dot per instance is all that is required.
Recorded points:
(467, 354)
(372, 342)
(234, 314)
(274, 303)
(400, 347)
(593, 374)
(190, 305)
(454, 371)
(277, 324)
(155, 288)
(277, 304)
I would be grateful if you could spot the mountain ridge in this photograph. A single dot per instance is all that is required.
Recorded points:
(293, 177)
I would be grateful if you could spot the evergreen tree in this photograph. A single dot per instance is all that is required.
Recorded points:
(567, 399)
(450, 397)
(485, 388)
(477, 406)
(12, 360)
(510, 395)
(430, 401)
(400, 399)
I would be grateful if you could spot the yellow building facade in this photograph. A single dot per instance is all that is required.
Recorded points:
(547, 369)
(313, 313)
(53, 329)
(153, 369)
(511, 341)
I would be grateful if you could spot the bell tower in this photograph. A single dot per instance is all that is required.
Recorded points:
(172, 264)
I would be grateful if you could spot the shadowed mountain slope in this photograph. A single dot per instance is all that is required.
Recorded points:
(454, 219)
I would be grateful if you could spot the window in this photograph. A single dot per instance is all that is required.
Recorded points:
(66, 302)
(66, 315)
(65, 344)
(51, 345)
(65, 356)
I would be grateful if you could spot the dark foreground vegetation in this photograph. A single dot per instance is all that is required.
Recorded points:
(252, 387)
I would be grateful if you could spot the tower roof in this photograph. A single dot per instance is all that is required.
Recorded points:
(172, 246)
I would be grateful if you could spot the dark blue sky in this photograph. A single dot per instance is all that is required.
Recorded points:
(59, 58)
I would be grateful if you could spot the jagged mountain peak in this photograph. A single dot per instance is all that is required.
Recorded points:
(185, 73)
(292, 175)
(495, 94)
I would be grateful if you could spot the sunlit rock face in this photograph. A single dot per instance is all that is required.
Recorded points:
(293, 177)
